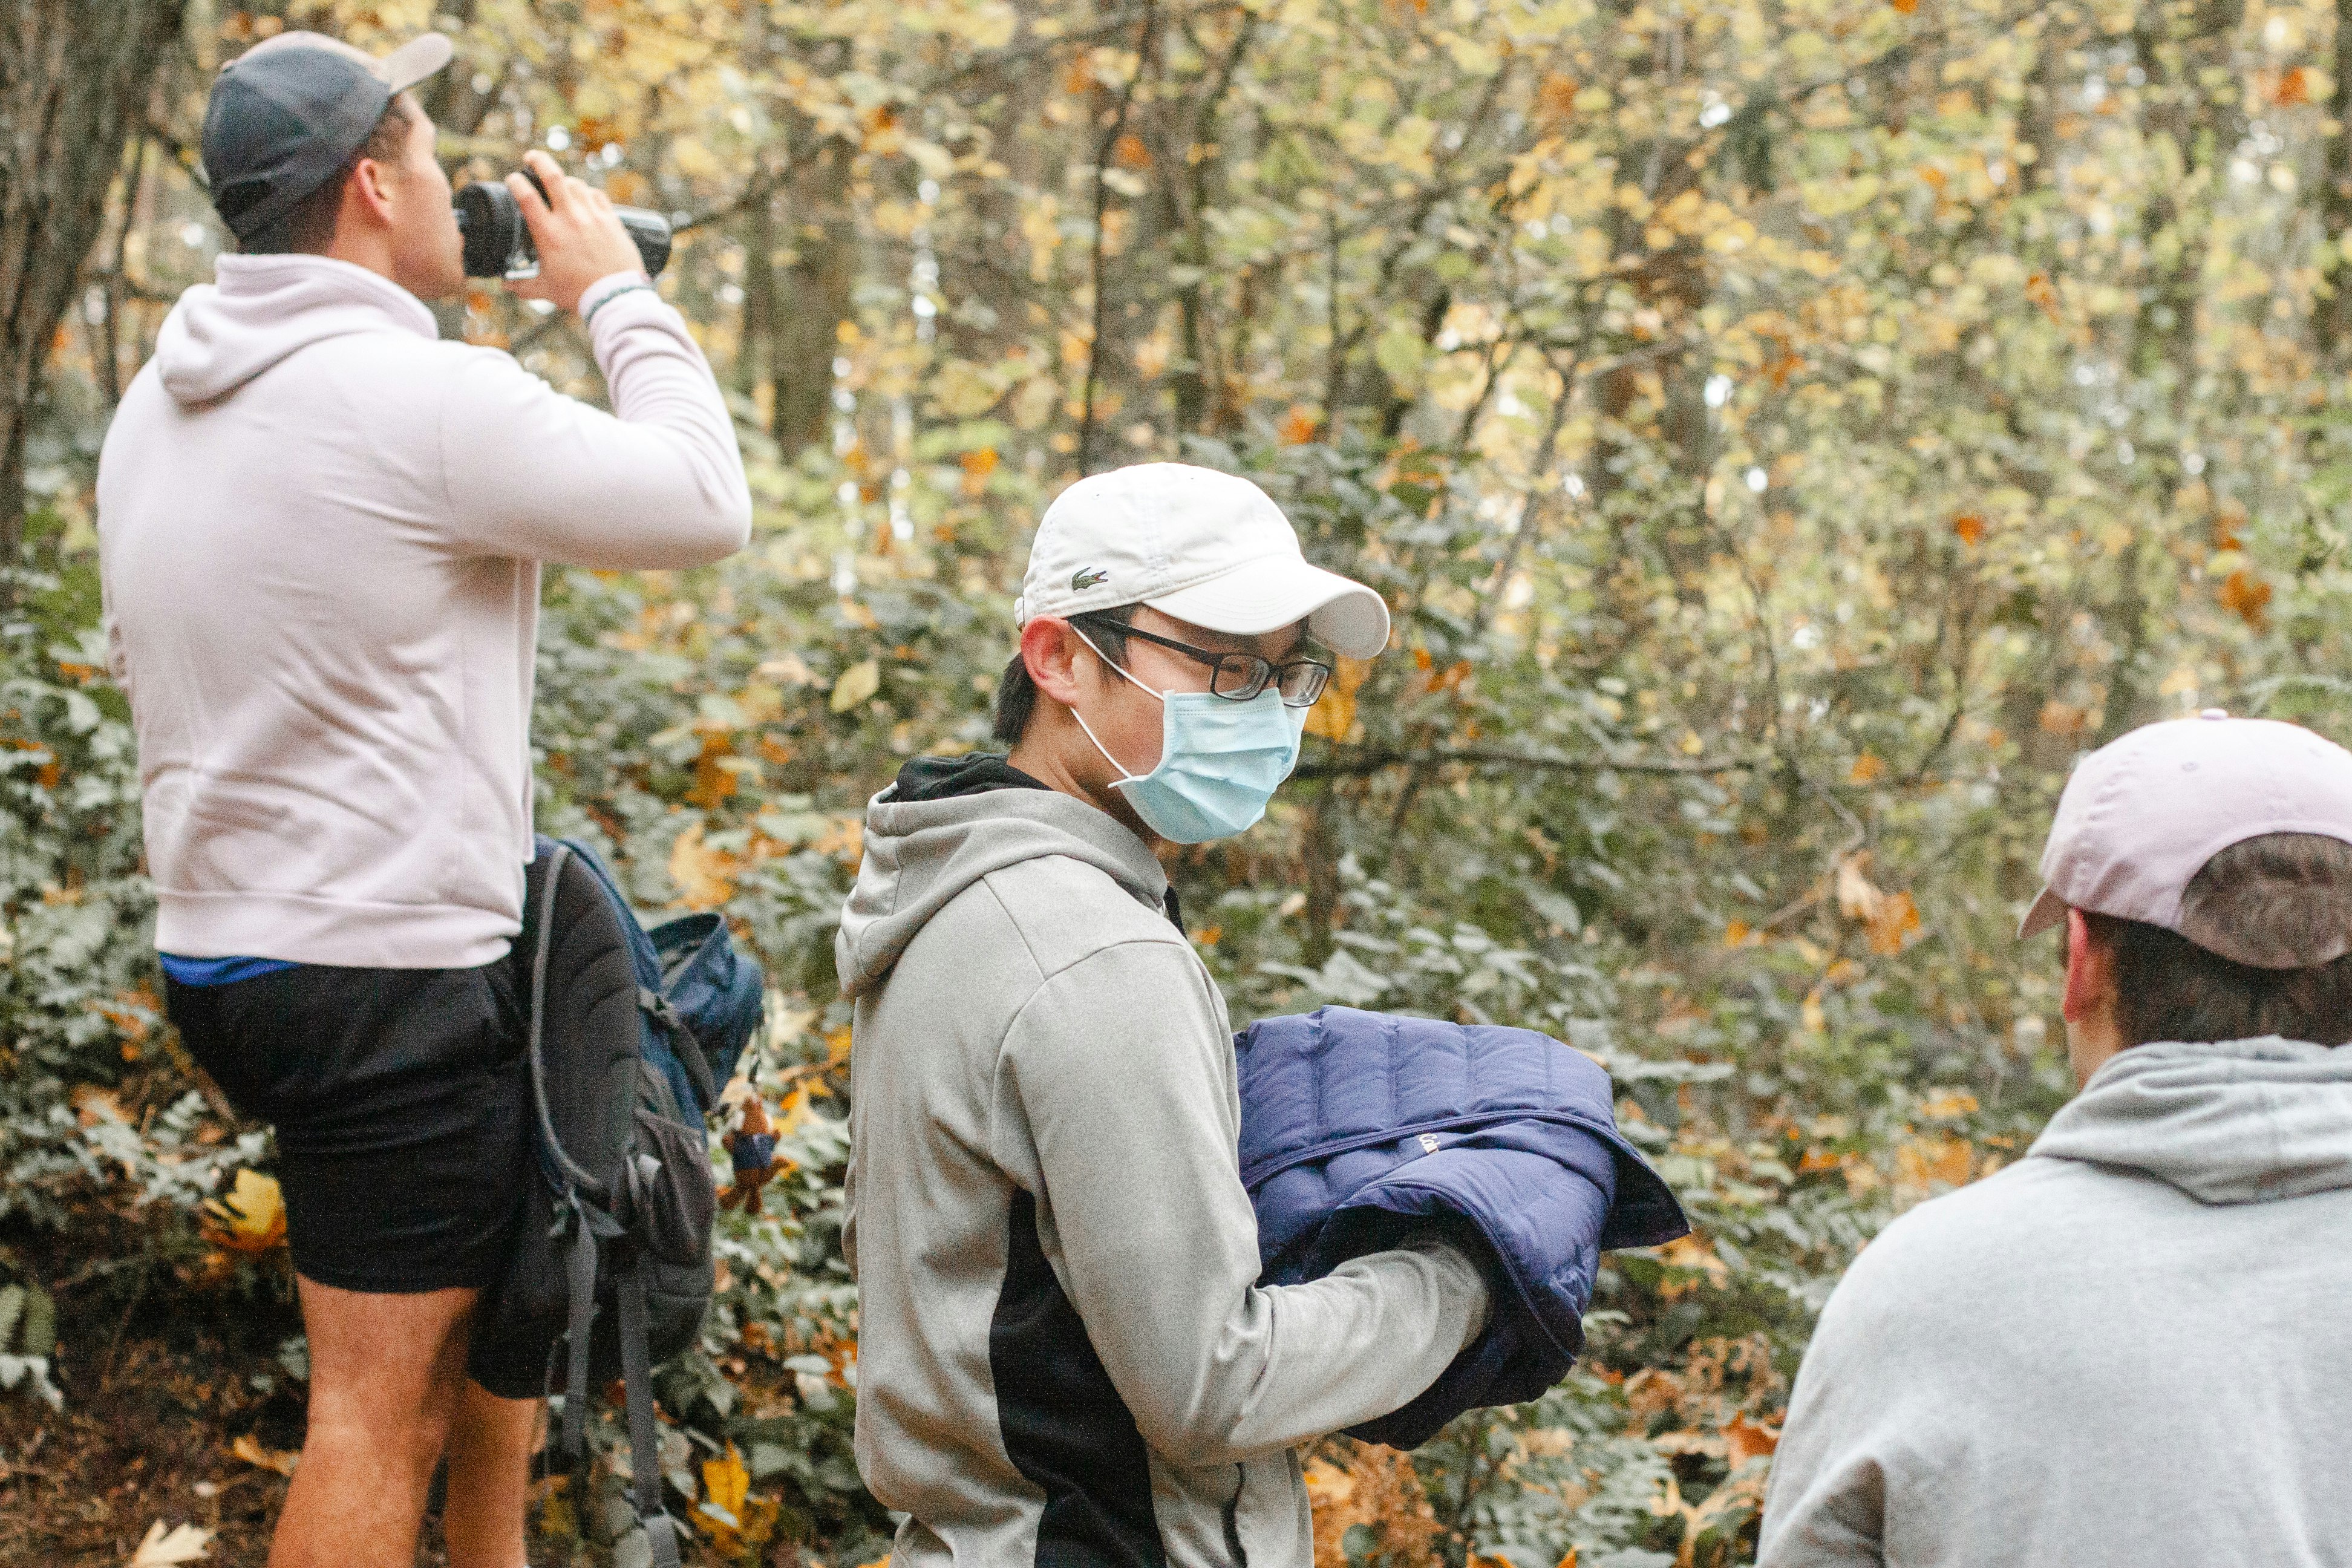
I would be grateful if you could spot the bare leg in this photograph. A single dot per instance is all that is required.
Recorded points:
(491, 1445)
(385, 1372)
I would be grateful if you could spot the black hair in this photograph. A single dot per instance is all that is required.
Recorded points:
(1016, 693)
(2270, 890)
(308, 227)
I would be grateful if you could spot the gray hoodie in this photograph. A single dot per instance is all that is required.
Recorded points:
(1063, 1357)
(2130, 1348)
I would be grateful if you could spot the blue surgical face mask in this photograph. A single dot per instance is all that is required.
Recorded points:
(1220, 762)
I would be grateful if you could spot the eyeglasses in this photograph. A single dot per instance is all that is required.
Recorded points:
(1236, 677)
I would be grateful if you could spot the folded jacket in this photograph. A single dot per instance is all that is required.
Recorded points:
(1358, 1128)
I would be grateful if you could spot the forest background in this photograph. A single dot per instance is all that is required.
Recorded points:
(1787, 432)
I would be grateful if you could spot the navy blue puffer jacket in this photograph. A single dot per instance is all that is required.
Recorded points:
(1358, 1127)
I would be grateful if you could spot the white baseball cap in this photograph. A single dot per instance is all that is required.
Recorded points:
(2143, 814)
(1209, 548)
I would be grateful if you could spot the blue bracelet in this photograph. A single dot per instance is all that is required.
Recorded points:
(624, 288)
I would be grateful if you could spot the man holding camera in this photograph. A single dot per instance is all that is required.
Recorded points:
(321, 533)
(2128, 1347)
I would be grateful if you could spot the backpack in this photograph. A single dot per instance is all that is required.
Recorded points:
(631, 1032)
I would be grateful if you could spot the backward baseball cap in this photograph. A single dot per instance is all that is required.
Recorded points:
(285, 116)
(2142, 815)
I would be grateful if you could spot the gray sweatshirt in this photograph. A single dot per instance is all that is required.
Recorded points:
(1063, 1356)
(2130, 1348)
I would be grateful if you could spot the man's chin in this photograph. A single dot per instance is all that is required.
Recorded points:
(435, 285)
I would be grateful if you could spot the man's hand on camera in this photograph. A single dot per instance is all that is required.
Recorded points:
(579, 238)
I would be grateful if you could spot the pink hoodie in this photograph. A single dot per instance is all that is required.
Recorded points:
(319, 531)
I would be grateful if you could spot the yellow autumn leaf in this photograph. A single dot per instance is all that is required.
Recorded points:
(844, 839)
(1858, 897)
(1745, 1440)
(1327, 1483)
(251, 1219)
(1924, 1161)
(1948, 1103)
(737, 1523)
(1889, 919)
(858, 683)
(725, 1484)
(1692, 1253)
(160, 1548)
(281, 1460)
(1334, 713)
(1894, 924)
(704, 876)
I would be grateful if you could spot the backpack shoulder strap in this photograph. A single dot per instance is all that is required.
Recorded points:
(637, 1380)
(549, 1138)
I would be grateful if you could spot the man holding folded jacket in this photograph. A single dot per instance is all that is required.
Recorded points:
(1066, 1356)
(320, 535)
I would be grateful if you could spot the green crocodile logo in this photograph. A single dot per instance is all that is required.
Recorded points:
(1087, 578)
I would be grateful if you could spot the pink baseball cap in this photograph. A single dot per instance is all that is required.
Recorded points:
(2143, 814)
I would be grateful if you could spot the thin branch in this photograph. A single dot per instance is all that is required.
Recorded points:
(106, 345)
(1363, 764)
(1546, 486)
(546, 326)
(750, 197)
(1015, 54)
(1894, 58)
(1103, 153)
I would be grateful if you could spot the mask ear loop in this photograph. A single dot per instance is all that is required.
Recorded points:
(1126, 776)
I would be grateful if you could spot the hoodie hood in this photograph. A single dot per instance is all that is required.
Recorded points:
(942, 778)
(2240, 1121)
(263, 307)
(921, 854)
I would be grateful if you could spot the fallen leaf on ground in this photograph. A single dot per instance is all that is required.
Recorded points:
(160, 1548)
(282, 1460)
(252, 1218)
(736, 1521)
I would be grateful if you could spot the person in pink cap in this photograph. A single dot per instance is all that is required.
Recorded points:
(2130, 1347)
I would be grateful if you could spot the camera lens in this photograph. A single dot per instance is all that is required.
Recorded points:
(493, 228)
(498, 243)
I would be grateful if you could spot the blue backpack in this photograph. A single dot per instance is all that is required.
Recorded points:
(632, 1032)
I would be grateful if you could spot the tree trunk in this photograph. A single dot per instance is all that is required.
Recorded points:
(75, 77)
(2333, 318)
(812, 299)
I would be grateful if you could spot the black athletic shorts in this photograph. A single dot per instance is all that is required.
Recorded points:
(398, 1097)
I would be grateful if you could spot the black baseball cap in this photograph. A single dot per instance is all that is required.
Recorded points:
(288, 113)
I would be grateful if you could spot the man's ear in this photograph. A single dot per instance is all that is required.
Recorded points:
(367, 195)
(1052, 651)
(2090, 970)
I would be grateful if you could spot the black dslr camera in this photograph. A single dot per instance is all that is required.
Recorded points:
(498, 243)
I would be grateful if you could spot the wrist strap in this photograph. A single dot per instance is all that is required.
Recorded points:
(590, 314)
